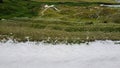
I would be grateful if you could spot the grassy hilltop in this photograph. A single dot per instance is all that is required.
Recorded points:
(108, 1)
(75, 23)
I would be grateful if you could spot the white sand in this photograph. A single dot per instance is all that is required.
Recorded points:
(98, 54)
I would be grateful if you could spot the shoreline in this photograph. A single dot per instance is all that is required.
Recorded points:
(87, 42)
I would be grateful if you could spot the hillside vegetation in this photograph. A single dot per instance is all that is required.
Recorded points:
(107, 1)
(75, 23)
(18, 8)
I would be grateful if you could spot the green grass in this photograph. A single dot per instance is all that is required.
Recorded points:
(61, 31)
(18, 8)
(110, 1)
(22, 8)
(76, 22)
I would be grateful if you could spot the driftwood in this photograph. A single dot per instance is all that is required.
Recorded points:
(48, 7)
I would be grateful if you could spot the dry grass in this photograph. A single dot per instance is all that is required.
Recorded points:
(56, 31)
(74, 24)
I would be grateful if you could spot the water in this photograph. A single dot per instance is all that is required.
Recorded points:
(98, 54)
(115, 6)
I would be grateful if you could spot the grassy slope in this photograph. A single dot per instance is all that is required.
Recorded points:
(18, 8)
(61, 31)
(77, 22)
(108, 1)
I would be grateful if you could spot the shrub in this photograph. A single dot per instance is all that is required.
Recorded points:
(38, 26)
(89, 23)
(56, 28)
(115, 18)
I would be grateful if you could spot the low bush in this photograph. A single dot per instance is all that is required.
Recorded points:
(115, 18)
